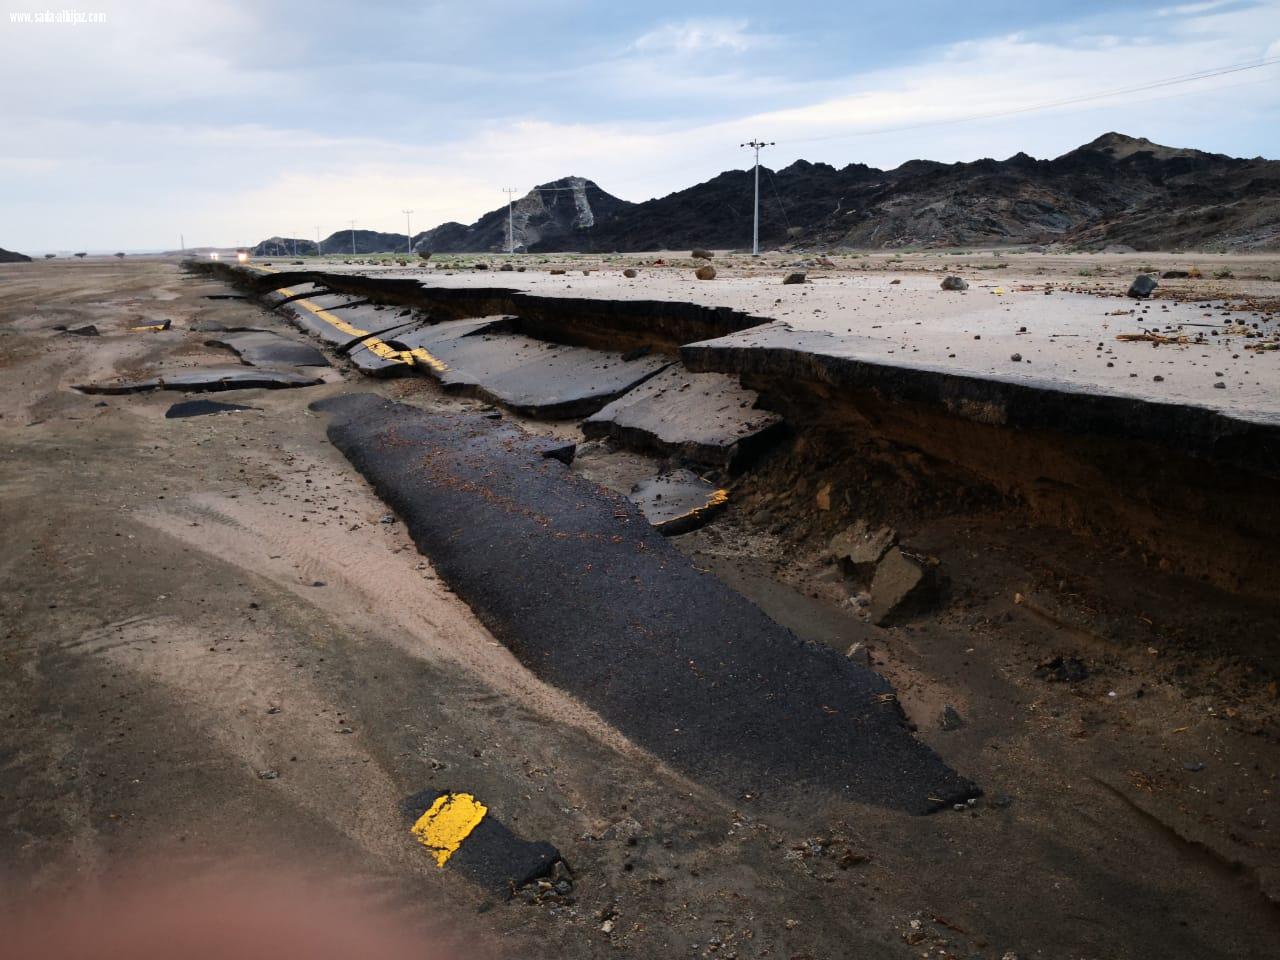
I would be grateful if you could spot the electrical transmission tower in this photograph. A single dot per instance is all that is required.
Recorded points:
(755, 214)
(511, 227)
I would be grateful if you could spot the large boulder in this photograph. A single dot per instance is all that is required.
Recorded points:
(700, 254)
(707, 272)
(954, 283)
(1143, 286)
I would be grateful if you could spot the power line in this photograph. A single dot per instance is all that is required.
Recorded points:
(1084, 98)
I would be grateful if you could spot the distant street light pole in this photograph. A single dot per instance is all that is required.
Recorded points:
(353, 237)
(755, 214)
(317, 240)
(408, 231)
(511, 227)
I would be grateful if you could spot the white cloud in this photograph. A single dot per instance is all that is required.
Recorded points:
(700, 35)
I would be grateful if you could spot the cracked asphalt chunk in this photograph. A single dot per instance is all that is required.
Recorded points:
(201, 408)
(257, 348)
(460, 832)
(592, 599)
(208, 379)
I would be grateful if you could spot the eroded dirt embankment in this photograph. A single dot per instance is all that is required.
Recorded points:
(1193, 490)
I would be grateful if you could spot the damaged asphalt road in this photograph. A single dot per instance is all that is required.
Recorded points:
(591, 599)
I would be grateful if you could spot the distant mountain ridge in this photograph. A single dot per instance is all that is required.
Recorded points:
(1114, 190)
(9, 256)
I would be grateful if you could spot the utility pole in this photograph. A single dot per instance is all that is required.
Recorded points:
(511, 227)
(317, 240)
(408, 231)
(353, 237)
(755, 215)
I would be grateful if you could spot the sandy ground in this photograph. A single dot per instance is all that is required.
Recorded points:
(191, 606)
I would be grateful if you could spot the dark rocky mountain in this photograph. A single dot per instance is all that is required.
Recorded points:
(8, 256)
(562, 215)
(1114, 190)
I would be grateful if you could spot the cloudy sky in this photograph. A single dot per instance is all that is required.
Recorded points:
(227, 120)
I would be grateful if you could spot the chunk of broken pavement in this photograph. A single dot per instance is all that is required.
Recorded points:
(954, 283)
(1143, 286)
(903, 587)
(860, 548)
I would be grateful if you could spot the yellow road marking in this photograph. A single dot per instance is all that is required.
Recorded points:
(379, 348)
(449, 821)
(715, 499)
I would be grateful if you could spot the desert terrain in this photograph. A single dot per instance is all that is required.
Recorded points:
(225, 651)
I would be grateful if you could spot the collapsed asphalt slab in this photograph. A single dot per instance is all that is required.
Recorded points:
(590, 598)
(706, 418)
(677, 502)
(537, 378)
(208, 379)
(263, 347)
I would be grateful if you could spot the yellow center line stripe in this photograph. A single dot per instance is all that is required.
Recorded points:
(449, 821)
(379, 348)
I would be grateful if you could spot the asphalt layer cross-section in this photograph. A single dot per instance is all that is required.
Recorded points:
(590, 598)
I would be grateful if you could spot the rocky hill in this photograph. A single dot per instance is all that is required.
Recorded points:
(562, 215)
(1114, 190)
(8, 256)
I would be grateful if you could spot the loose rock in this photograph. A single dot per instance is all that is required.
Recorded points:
(903, 587)
(700, 254)
(950, 719)
(954, 283)
(705, 273)
(860, 548)
(796, 277)
(1142, 286)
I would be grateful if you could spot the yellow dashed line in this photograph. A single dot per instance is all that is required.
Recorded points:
(449, 821)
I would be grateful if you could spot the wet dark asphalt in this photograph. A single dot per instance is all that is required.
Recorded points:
(590, 598)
